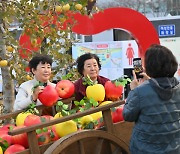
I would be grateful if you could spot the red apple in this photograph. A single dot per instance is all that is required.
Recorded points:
(65, 88)
(43, 138)
(7, 127)
(20, 139)
(117, 115)
(113, 91)
(32, 120)
(53, 135)
(5, 136)
(48, 96)
(45, 118)
(14, 148)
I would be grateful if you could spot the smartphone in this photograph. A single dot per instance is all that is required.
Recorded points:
(137, 64)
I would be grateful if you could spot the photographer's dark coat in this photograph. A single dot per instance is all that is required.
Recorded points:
(154, 106)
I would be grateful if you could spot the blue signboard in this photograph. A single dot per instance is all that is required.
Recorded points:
(166, 30)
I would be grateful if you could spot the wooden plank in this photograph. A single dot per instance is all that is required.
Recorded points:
(108, 121)
(40, 107)
(33, 143)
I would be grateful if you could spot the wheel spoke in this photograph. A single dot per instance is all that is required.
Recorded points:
(81, 146)
(99, 146)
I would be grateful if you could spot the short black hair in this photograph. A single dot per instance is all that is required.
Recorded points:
(160, 62)
(80, 61)
(40, 58)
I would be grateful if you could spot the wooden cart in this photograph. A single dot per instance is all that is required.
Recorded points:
(112, 138)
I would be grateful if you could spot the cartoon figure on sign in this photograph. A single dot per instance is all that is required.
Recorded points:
(130, 53)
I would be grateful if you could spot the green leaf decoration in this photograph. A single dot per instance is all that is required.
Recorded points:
(43, 119)
(121, 81)
(4, 144)
(89, 126)
(45, 129)
(39, 131)
(32, 109)
(52, 135)
(65, 106)
(42, 138)
(76, 103)
(95, 104)
(82, 102)
(59, 103)
(64, 113)
(88, 82)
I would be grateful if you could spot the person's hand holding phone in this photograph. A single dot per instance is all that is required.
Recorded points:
(135, 82)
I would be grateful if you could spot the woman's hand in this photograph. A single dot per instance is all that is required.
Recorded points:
(36, 92)
(139, 81)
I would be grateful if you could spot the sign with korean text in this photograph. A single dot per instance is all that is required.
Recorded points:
(166, 30)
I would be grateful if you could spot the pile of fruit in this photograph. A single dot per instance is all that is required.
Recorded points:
(96, 95)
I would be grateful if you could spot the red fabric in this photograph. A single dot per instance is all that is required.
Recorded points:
(80, 89)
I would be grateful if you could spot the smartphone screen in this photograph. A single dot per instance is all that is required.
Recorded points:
(137, 64)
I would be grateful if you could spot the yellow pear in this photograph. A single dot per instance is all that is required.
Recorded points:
(105, 102)
(86, 120)
(58, 115)
(66, 128)
(96, 115)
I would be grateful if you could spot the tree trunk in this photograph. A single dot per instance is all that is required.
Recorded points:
(7, 82)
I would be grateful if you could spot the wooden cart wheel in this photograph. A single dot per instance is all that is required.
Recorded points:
(89, 142)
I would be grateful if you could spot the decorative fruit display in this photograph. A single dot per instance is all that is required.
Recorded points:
(5, 136)
(20, 139)
(105, 102)
(48, 96)
(117, 115)
(7, 127)
(3, 63)
(53, 135)
(43, 138)
(65, 88)
(97, 92)
(14, 149)
(66, 128)
(114, 89)
(21, 117)
(45, 118)
(86, 120)
(32, 120)
(58, 115)
(96, 116)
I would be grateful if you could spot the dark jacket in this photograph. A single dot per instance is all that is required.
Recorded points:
(80, 89)
(154, 106)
